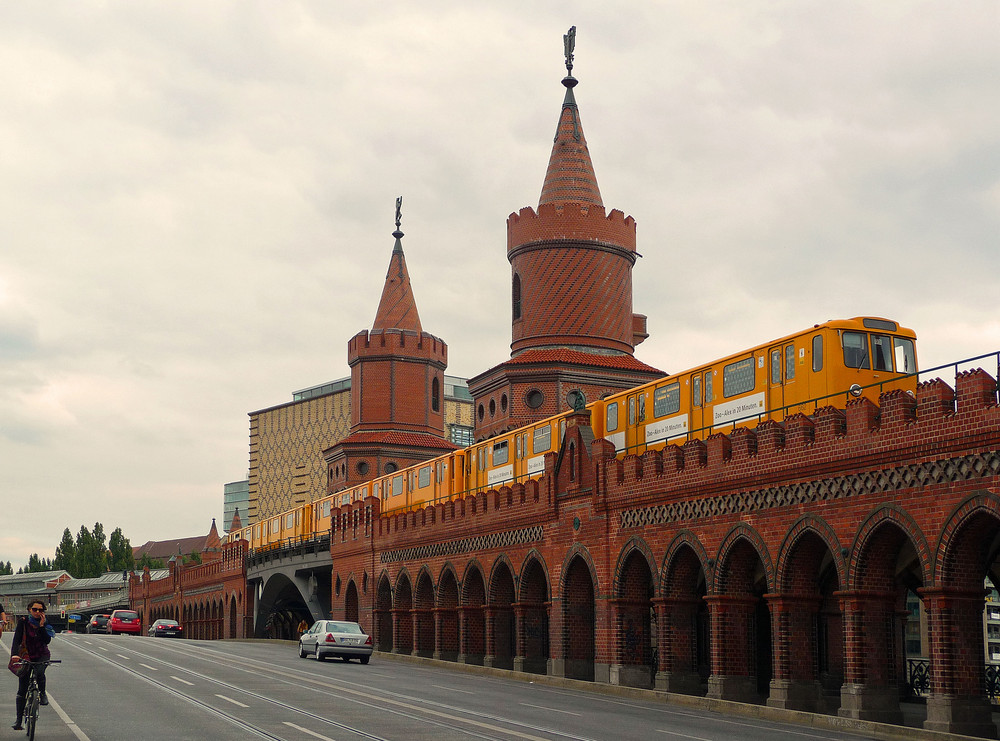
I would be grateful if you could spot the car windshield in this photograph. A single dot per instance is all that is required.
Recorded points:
(344, 628)
(166, 623)
(126, 615)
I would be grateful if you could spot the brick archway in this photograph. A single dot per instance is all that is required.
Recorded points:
(501, 636)
(578, 617)
(423, 615)
(402, 615)
(684, 656)
(352, 602)
(533, 624)
(447, 620)
(383, 614)
(632, 618)
(473, 616)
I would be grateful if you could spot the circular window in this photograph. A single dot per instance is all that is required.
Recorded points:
(493, 407)
(391, 468)
(482, 412)
(503, 403)
(362, 467)
(534, 399)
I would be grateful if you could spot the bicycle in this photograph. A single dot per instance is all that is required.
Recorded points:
(33, 697)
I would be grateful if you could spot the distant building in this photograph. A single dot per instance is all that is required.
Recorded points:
(17, 590)
(164, 550)
(235, 499)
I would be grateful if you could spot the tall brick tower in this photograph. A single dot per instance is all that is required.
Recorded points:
(397, 387)
(572, 325)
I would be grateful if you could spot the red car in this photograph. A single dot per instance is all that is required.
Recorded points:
(124, 621)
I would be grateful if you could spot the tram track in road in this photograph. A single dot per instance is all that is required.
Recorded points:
(412, 708)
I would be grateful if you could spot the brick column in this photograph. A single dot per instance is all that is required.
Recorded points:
(957, 703)
(732, 664)
(676, 644)
(438, 650)
(795, 685)
(871, 685)
(489, 638)
(397, 617)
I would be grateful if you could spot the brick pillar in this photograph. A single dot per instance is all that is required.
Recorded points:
(519, 638)
(438, 649)
(489, 639)
(956, 703)
(397, 617)
(871, 684)
(732, 675)
(795, 685)
(676, 643)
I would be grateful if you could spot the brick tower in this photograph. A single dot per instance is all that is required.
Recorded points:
(572, 325)
(397, 387)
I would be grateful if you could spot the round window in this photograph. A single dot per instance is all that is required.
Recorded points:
(493, 407)
(482, 412)
(391, 468)
(534, 399)
(503, 403)
(362, 468)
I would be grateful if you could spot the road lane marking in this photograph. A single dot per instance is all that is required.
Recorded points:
(77, 731)
(306, 730)
(551, 710)
(101, 648)
(151, 668)
(127, 658)
(234, 702)
(682, 735)
(452, 689)
(189, 684)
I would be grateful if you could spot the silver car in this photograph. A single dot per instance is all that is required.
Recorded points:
(336, 638)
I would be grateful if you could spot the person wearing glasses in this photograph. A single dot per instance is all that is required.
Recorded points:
(35, 634)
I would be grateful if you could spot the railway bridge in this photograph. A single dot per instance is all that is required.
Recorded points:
(770, 565)
(289, 583)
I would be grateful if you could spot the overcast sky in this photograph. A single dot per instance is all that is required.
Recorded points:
(197, 200)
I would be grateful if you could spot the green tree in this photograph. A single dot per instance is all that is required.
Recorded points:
(121, 552)
(6, 569)
(192, 558)
(66, 553)
(91, 554)
(152, 563)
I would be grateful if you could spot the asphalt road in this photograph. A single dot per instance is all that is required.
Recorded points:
(116, 687)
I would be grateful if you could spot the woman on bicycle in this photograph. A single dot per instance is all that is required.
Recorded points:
(35, 635)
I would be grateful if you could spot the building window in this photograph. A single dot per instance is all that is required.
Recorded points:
(391, 467)
(362, 468)
(461, 435)
(515, 297)
(481, 412)
(493, 408)
(534, 399)
(503, 403)
(435, 395)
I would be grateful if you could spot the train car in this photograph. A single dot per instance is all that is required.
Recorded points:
(822, 366)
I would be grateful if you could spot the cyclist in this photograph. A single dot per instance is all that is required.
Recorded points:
(35, 635)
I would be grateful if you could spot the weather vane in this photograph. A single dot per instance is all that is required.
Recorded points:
(399, 210)
(569, 44)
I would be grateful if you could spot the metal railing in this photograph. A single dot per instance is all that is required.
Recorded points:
(918, 679)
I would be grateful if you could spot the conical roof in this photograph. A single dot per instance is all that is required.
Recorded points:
(570, 175)
(397, 308)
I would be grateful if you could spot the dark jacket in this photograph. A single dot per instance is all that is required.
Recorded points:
(35, 638)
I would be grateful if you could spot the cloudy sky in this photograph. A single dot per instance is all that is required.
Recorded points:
(196, 203)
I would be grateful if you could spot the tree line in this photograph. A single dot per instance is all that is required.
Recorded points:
(87, 555)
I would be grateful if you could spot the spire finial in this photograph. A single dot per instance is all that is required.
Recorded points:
(569, 44)
(399, 218)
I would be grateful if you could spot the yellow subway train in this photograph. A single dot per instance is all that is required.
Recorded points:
(824, 365)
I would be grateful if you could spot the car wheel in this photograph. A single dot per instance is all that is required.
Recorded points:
(365, 659)
(319, 655)
(302, 651)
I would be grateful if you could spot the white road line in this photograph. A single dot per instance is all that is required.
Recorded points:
(101, 648)
(306, 730)
(452, 689)
(151, 668)
(234, 702)
(77, 731)
(189, 684)
(123, 656)
(551, 710)
(682, 735)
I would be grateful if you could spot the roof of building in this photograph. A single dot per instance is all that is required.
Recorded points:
(403, 439)
(397, 308)
(570, 176)
(110, 580)
(164, 549)
(33, 582)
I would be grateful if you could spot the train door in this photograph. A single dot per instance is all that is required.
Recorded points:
(635, 439)
(775, 381)
(794, 391)
(701, 403)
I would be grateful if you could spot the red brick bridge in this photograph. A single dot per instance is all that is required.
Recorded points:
(767, 565)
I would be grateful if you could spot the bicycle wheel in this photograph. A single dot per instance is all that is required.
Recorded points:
(31, 710)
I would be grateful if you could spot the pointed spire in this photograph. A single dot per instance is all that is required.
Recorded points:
(570, 175)
(396, 308)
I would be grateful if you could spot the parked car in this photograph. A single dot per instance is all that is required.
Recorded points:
(164, 628)
(124, 621)
(98, 624)
(336, 638)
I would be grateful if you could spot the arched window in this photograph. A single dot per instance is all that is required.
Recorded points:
(435, 395)
(515, 296)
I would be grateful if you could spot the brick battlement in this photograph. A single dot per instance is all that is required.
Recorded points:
(395, 342)
(570, 222)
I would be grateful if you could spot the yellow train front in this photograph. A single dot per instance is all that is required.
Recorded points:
(825, 365)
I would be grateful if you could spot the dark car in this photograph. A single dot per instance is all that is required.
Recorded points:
(164, 628)
(98, 624)
(124, 621)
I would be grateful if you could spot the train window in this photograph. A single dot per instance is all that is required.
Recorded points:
(789, 362)
(562, 429)
(906, 359)
(738, 378)
(631, 410)
(884, 324)
(397, 485)
(776, 366)
(326, 508)
(500, 453)
(345, 500)
(424, 477)
(881, 352)
(817, 353)
(696, 391)
(541, 439)
(289, 520)
(375, 490)
(856, 350)
(612, 416)
(482, 459)
(667, 399)
(708, 387)
(519, 451)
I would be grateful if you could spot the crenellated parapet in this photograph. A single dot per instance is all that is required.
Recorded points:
(397, 342)
(570, 222)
